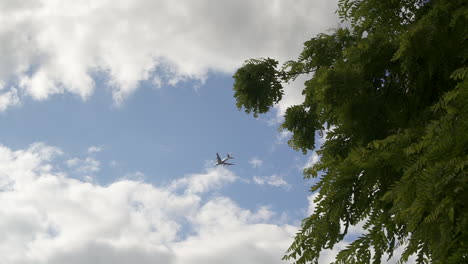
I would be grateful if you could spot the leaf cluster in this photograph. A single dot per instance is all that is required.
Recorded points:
(391, 91)
(256, 85)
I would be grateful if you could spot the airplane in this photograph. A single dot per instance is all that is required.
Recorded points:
(223, 162)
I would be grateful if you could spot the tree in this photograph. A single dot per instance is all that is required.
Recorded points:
(392, 88)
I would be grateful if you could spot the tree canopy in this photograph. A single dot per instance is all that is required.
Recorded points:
(391, 89)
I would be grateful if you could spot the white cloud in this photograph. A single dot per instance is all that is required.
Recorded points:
(135, 176)
(283, 137)
(273, 180)
(101, 252)
(9, 98)
(240, 231)
(47, 217)
(311, 198)
(94, 149)
(292, 96)
(73, 162)
(54, 47)
(313, 159)
(214, 178)
(256, 162)
(86, 165)
(113, 164)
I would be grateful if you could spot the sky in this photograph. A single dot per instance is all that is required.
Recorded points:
(112, 113)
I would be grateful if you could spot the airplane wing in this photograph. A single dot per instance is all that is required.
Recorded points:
(218, 158)
(225, 163)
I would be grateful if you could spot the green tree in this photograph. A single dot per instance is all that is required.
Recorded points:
(393, 88)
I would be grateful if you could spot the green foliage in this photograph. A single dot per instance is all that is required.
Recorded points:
(303, 123)
(257, 85)
(393, 91)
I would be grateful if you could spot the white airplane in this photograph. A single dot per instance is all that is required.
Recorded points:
(223, 162)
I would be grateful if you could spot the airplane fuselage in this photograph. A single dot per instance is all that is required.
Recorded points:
(223, 162)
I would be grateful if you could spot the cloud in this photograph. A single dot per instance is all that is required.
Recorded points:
(86, 165)
(313, 159)
(256, 162)
(113, 163)
(311, 198)
(100, 252)
(48, 217)
(240, 230)
(214, 178)
(135, 176)
(292, 96)
(283, 137)
(54, 47)
(9, 98)
(94, 149)
(273, 180)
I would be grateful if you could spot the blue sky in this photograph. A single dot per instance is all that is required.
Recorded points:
(162, 134)
(112, 113)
